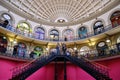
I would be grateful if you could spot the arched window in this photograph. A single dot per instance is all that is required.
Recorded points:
(22, 49)
(54, 35)
(6, 16)
(3, 44)
(115, 18)
(101, 48)
(68, 33)
(6, 21)
(98, 27)
(39, 33)
(24, 28)
(118, 39)
(38, 50)
(53, 50)
(118, 43)
(84, 50)
(70, 50)
(82, 32)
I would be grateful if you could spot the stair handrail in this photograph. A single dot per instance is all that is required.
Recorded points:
(94, 63)
(18, 68)
(101, 68)
(21, 67)
(102, 71)
(26, 64)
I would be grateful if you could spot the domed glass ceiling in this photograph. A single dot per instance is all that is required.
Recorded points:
(49, 11)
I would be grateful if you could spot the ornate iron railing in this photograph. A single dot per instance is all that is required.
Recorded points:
(61, 39)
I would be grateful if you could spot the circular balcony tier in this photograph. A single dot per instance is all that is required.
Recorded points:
(109, 30)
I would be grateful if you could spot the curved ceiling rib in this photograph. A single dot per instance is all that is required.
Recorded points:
(47, 11)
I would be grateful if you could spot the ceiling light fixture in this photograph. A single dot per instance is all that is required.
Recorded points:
(61, 21)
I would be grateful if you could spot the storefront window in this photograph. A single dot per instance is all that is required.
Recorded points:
(39, 33)
(54, 35)
(38, 50)
(115, 18)
(6, 21)
(118, 39)
(68, 33)
(102, 48)
(24, 28)
(3, 44)
(84, 51)
(22, 49)
(82, 32)
(98, 27)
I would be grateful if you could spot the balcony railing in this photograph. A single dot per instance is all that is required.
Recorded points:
(94, 54)
(61, 39)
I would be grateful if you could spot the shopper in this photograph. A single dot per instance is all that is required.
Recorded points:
(64, 48)
(58, 48)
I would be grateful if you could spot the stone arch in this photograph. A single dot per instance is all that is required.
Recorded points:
(101, 29)
(56, 30)
(29, 33)
(68, 29)
(7, 12)
(42, 28)
(109, 22)
(84, 50)
(81, 27)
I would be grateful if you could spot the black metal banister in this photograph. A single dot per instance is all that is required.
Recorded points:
(95, 71)
(22, 73)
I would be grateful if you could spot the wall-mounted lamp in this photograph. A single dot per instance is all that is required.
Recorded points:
(107, 40)
(14, 41)
(47, 49)
(75, 48)
(4, 37)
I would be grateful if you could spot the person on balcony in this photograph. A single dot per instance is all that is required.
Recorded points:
(76, 53)
(32, 54)
(1, 22)
(58, 48)
(5, 23)
(65, 39)
(15, 50)
(64, 48)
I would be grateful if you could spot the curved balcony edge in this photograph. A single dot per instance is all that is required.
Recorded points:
(107, 29)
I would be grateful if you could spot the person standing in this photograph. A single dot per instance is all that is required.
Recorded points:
(76, 53)
(64, 48)
(15, 50)
(65, 39)
(58, 48)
